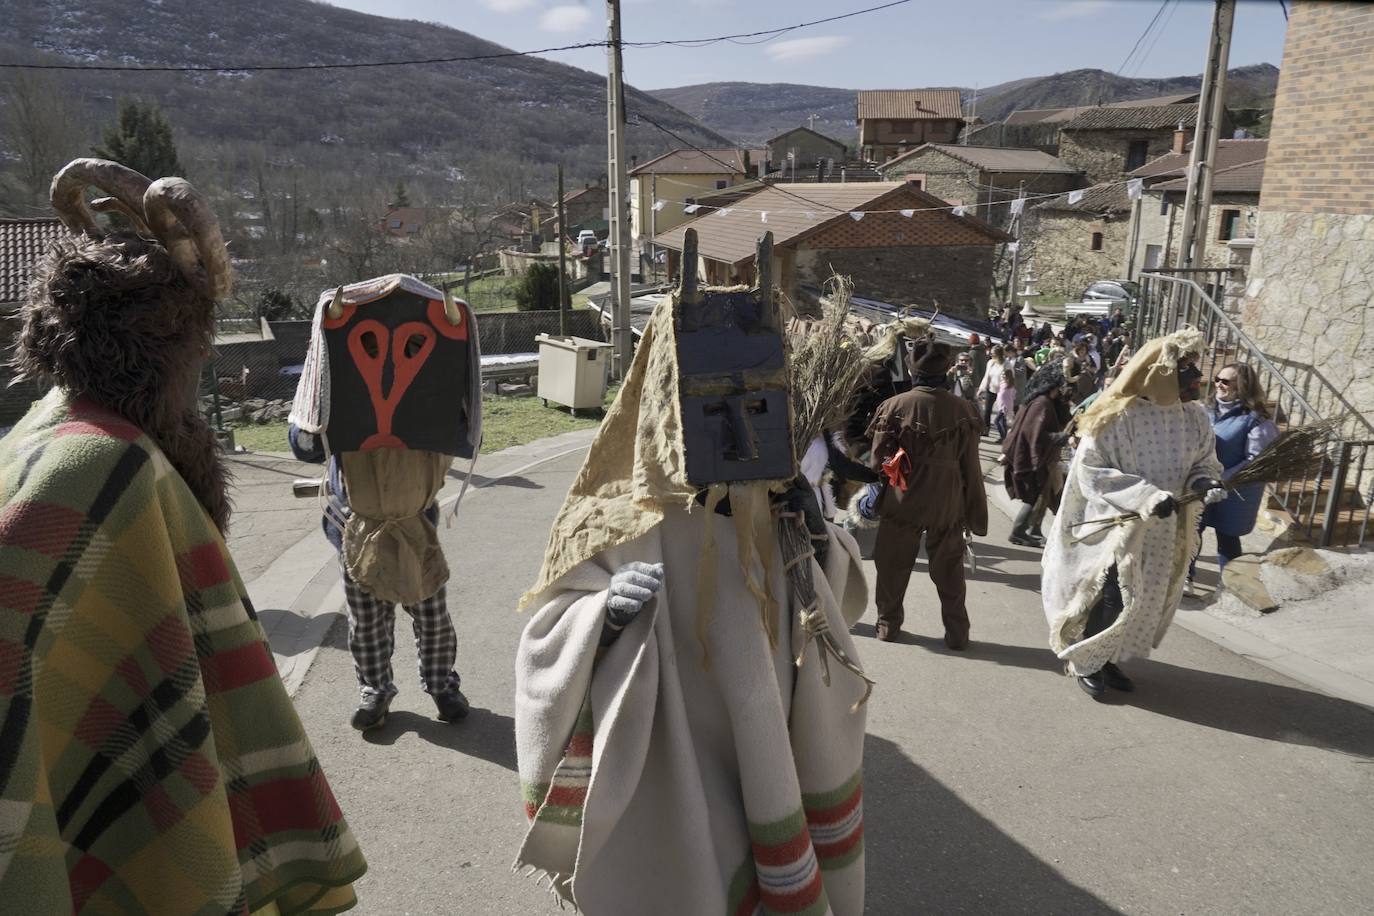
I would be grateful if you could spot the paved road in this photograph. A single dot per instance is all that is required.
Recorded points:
(993, 785)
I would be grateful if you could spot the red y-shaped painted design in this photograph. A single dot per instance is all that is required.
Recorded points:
(371, 367)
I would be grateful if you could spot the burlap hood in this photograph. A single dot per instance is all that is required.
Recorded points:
(1152, 373)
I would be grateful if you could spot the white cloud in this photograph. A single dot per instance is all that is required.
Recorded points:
(805, 48)
(1073, 9)
(565, 18)
(508, 6)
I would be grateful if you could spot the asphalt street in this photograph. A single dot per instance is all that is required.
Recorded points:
(992, 783)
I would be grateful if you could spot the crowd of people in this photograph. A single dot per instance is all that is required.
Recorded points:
(677, 752)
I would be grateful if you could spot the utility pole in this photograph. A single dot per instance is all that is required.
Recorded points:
(562, 263)
(1192, 239)
(1016, 252)
(620, 180)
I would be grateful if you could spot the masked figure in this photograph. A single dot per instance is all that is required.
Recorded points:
(680, 751)
(391, 392)
(150, 759)
(1111, 584)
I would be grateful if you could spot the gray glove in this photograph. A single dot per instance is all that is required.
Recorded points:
(1213, 491)
(631, 588)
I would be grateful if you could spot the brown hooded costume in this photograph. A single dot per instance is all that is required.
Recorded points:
(937, 433)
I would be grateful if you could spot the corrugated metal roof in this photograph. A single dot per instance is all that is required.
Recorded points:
(1109, 197)
(731, 237)
(910, 104)
(1230, 153)
(702, 162)
(1059, 115)
(993, 158)
(1139, 118)
(1245, 178)
(22, 241)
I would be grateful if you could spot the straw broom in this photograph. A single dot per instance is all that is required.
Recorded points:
(1294, 455)
(827, 368)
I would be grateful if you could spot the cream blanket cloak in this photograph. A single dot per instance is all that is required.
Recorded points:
(1145, 454)
(659, 785)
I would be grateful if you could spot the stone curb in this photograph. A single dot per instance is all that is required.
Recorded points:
(296, 617)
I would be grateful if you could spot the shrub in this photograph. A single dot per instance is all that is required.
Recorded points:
(538, 289)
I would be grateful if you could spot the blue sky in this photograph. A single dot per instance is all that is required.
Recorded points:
(923, 43)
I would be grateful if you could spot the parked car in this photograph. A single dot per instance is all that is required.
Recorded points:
(1121, 292)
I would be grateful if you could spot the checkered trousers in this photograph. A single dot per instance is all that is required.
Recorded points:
(371, 639)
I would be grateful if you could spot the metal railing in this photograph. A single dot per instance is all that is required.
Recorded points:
(1331, 506)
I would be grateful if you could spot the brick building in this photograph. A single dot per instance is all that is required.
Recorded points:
(986, 179)
(1067, 245)
(1108, 143)
(1310, 296)
(926, 257)
(892, 121)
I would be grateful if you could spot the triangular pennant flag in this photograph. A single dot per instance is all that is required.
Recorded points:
(763, 216)
(1135, 187)
(660, 204)
(1017, 206)
(960, 211)
(691, 208)
(1075, 196)
(726, 211)
(810, 214)
(908, 213)
(856, 215)
(1013, 246)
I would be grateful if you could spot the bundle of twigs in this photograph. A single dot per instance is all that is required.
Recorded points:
(1295, 455)
(827, 369)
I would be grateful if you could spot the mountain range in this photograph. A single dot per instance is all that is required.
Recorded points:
(751, 113)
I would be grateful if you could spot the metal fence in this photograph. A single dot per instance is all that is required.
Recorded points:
(1331, 506)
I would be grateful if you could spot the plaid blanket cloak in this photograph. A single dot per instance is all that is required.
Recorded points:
(150, 760)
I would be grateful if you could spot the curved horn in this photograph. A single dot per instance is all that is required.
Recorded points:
(115, 205)
(335, 308)
(181, 219)
(68, 192)
(451, 310)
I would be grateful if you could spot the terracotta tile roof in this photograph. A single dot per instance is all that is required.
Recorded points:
(993, 158)
(1245, 178)
(1153, 117)
(1229, 153)
(731, 237)
(21, 243)
(702, 162)
(1109, 197)
(910, 104)
(1059, 115)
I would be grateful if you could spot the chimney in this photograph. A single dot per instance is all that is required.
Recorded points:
(1180, 140)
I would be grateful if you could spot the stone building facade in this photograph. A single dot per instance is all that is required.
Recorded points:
(1107, 143)
(806, 147)
(985, 179)
(1310, 296)
(1065, 246)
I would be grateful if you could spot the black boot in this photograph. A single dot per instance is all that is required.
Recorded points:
(1094, 685)
(1116, 678)
(452, 705)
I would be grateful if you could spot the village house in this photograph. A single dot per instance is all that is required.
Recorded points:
(892, 121)
(679, 178)
(22, 243)
(1108, 143)
(1067, 244)
(409, 222)
(898, 244)
(803, 148)
(588, 207)
(1239, 171)
(1038, 128)
(983, 178)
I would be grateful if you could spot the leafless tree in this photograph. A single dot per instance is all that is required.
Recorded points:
(44, 128)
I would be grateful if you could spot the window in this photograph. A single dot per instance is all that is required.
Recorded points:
(1163, 205)
(1097, 241)
(1136, 154)
(903, 127)
(1153, 256)
(722, 184)
(395, 224)
(1230, 222)
(917, 181)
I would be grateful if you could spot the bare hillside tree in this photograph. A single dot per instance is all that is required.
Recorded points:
(43, 127)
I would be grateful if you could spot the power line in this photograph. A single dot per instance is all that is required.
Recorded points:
(1150, 46)
(765, 35)
(1135, 47)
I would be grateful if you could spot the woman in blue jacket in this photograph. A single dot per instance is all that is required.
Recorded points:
(1243, 429)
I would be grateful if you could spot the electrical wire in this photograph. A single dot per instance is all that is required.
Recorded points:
(1135, 47)
(1150, 46)
(766, 35)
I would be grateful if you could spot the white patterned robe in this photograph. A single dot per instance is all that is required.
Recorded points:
(1151, 451)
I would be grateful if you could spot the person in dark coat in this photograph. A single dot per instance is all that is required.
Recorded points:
(1030, 467)
(931, 437)
(1243, 428)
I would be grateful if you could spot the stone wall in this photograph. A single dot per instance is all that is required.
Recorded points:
(1101, 154)
(1155, 227)
(957, 278)
(1310, 307)
(808, 148)
(1057, 251)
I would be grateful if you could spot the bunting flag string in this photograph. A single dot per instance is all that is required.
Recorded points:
(856, 215)
(1075, 197)
(960, 210)
(1017, 206)
(763, 217)
(908, 213)
(660, 204)
(691, 208)
(1135, 187)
